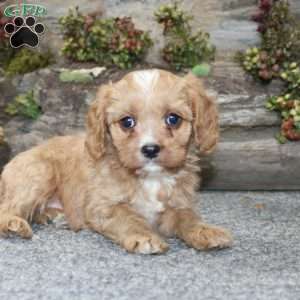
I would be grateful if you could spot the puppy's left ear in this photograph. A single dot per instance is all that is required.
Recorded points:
(205, 115)
(96, 124)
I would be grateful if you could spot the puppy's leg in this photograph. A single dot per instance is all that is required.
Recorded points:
(46, 216)
(185, 224)
(25, 187)
(125, 227)
(12, 224)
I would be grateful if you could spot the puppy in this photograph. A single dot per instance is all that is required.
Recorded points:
(132, 176)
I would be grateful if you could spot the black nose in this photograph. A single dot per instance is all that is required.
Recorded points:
(150, 151)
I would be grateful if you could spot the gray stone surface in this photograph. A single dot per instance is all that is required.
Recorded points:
(65, 105)
(263, 263)
(248, 155)
(245, 111)
(227, 21)
(252, 160)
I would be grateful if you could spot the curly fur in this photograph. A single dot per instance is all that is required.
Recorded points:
(101, 180)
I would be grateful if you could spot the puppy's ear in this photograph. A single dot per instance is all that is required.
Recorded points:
(96, 124)
(205, 114)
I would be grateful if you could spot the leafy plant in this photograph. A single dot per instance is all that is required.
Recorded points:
(106, 41)
(184, 49)
(24, 105)
(6, 52)
(280, 40)
(288, 104)
(278, 57)
(201, 70)
(26, 61)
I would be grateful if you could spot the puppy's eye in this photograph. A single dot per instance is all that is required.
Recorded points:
(173, 120)
(128, 122)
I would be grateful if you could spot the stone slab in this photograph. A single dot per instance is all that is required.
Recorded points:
(263, 263)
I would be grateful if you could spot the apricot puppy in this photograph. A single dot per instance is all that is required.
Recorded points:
(131, 176)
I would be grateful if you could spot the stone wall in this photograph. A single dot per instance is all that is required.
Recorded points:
(227, 21)
(248, 156)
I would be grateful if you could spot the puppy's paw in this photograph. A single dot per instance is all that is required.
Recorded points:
(46, 217)
(17, 226)
(206, 237)
(145, 243)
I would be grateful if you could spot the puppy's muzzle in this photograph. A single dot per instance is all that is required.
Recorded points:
(150, 151)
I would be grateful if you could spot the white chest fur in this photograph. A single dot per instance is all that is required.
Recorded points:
(147, 201)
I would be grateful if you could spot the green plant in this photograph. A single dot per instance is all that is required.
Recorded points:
(184, 49)
(25, 61)
(24, 105)
(105, 41)
(76, 34)
(6, 52)
(201, 70)
(280, 41)
(278, 57)
(288, 104)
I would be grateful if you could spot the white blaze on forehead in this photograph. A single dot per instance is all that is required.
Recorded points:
(147, 138)
(146, 79)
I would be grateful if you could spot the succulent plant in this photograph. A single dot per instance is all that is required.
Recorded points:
(288, 103)
(278, 57)
(183, 49)
(201, 70)
(25, 105)
(280, 36)
(26, 61)
(6, 52)
(113, 41)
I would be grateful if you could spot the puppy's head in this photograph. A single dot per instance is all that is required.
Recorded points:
(150, 118)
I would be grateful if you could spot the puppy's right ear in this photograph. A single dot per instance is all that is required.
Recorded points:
(96, 124)
(206, 120)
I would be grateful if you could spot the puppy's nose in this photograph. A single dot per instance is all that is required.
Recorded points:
(150, 151)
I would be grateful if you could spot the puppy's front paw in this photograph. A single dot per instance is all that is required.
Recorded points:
(145, 243)
(17, 226)
(205, 237)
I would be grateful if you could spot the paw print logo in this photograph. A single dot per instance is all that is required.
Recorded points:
(24, 32)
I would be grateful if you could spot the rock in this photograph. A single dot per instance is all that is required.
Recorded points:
(253, 160)
(248, 156)
(74, 76)
(226, 21)
(95, 72)
(230, 36)
(245, 111)
(64, 110)
(80, 75)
